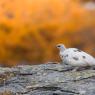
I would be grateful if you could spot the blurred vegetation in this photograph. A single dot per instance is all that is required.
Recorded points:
(30, 29)
(6, 93)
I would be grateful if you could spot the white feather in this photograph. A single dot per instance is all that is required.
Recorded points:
(75, 57)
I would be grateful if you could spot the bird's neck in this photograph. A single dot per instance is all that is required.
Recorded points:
(62, 49)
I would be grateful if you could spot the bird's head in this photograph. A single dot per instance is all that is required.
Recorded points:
(61, 47)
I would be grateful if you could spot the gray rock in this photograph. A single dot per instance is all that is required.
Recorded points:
(47, 79)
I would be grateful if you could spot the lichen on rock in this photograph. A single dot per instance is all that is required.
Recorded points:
(47, 79)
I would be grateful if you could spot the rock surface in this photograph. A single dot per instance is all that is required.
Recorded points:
(47, 79)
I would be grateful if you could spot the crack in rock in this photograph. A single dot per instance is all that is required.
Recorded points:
(47, 79)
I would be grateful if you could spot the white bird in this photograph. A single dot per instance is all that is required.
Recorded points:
(75, 57)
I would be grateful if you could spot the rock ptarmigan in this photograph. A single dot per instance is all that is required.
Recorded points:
(75, 57)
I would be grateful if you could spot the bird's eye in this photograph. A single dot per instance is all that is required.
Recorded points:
(58, 46)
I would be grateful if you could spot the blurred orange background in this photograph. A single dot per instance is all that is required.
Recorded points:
(30, 29)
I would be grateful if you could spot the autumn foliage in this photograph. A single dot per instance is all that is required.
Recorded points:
(30, 29)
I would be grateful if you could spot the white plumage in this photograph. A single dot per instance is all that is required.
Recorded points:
(75, 57)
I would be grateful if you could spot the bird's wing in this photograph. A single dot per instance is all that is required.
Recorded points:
(87, 58)
(77, 57)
